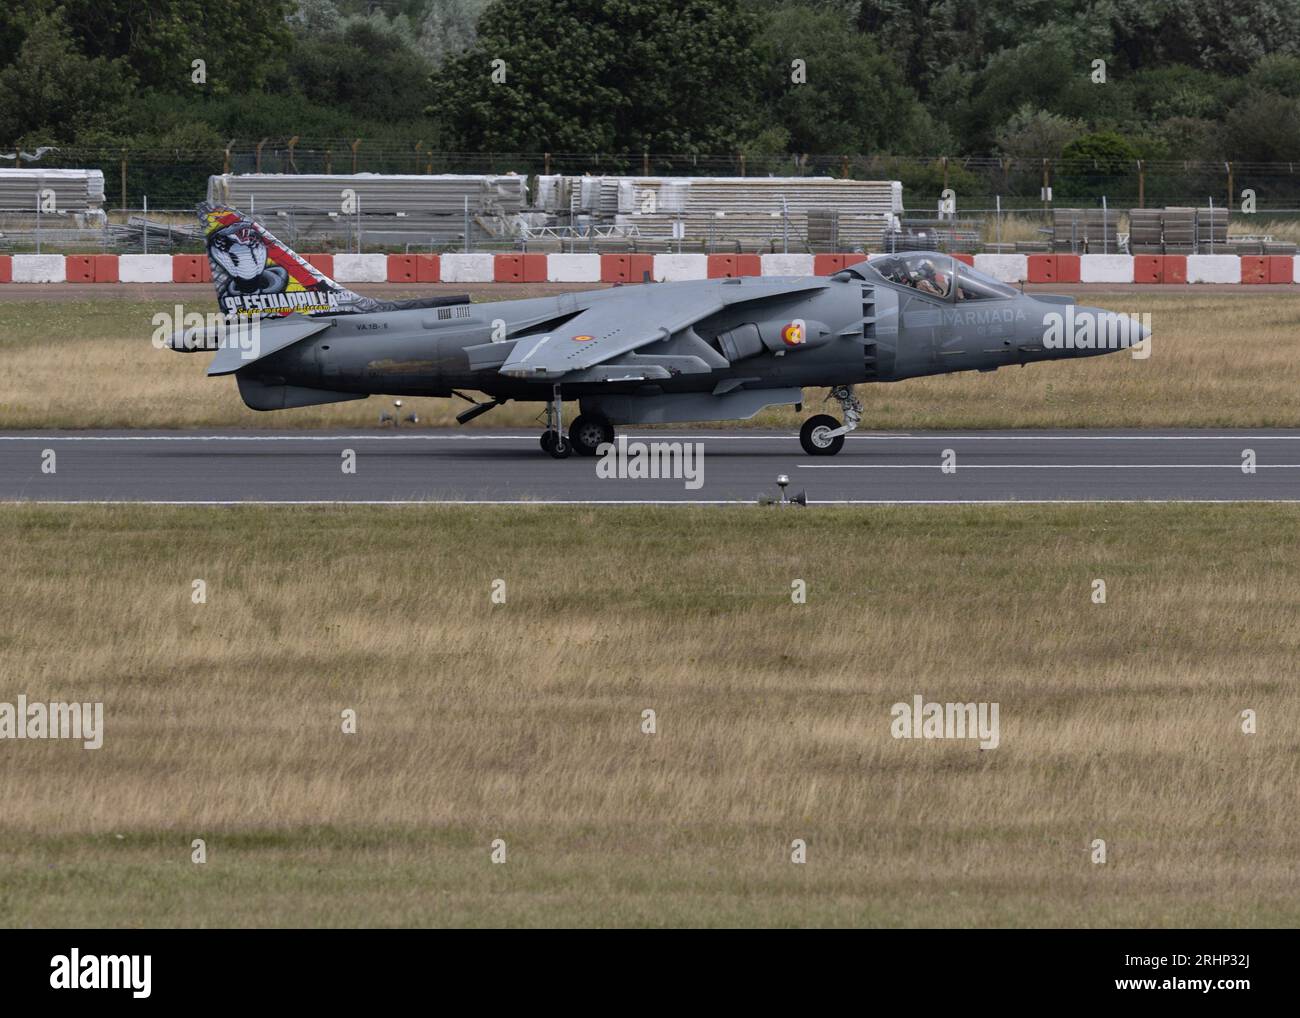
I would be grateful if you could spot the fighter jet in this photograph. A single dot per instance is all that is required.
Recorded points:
(658, 353)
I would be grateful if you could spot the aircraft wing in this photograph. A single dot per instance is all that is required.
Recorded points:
(644, 315)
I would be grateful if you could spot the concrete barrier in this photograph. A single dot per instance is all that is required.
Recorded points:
(187, 268)
(428, 269)
(1105, 268)
(626, 268)
(518, 267)
(468, 268)
(670, 268)
(829, 264)
(143, 268)
(573, 268)
(787, 264)
(362, 268)
(630, 268)
(1008, 268)
(409, 268)
(401, 269)
(322, 263)
(1266, 269)
(48, 268)
(79, 269)
(1213, 269)
(732, 266)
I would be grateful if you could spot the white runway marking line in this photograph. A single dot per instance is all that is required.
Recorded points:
(673, 502)
(1045, 466)
(375, 501)
(707, 437)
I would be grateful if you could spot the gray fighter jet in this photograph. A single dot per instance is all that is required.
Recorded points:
(706, 350)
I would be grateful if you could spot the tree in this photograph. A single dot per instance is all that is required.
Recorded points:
(449, 27)
(52, 90)
(1036, 134)
(1263, 127)
(851, 98)
(238, 40)
(1106, 151)
(672, 76)
(366, 66)
(1208, 34)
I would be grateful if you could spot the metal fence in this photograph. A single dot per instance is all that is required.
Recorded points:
(952, 204)
(177, 178)
(993, 228)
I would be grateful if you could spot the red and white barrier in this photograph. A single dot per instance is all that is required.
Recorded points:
(573, 268)
(672, 268)
(468, 268)
(1008, 268)
(1213, 269)
(361, 268)
(143, 268)
(521, 267)
(1160, 268)
(787, 264)
(1053, 268)
(626, 268)
(40, 268)
(733, 266)
(1105, 268)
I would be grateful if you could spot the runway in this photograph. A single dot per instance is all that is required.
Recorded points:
(733, 466)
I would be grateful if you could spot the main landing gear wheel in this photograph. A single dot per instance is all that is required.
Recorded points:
(815, 436)
(589, 432)
(554, 444)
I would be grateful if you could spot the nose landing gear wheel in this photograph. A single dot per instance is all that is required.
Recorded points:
(589, 432)
(815, 436)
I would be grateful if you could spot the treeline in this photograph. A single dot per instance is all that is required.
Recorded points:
(1105, 80)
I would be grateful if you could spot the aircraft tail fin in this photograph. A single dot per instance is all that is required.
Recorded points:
(256, 275)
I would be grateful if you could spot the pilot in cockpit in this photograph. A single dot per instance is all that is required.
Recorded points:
(926, 278)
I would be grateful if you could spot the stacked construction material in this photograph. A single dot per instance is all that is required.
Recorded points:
(373, 210)
(1146, 231)
(1085, 231)
(79, 193)
(1186, 230)
(726, 213)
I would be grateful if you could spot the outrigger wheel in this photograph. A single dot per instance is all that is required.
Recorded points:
(554, 444)
(816, 436)
(553, 440)
(589, 432)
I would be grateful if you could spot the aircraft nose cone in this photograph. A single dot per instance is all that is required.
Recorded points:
(1084, 330)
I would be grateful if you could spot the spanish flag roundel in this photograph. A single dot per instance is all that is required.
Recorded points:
(792, 334)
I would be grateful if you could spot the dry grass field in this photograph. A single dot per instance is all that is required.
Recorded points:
(1218, 359)
(522, 721)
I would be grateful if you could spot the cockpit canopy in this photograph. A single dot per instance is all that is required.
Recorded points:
(938, 276)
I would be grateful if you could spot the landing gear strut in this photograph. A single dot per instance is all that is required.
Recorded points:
(554, 440)
(823, 435)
